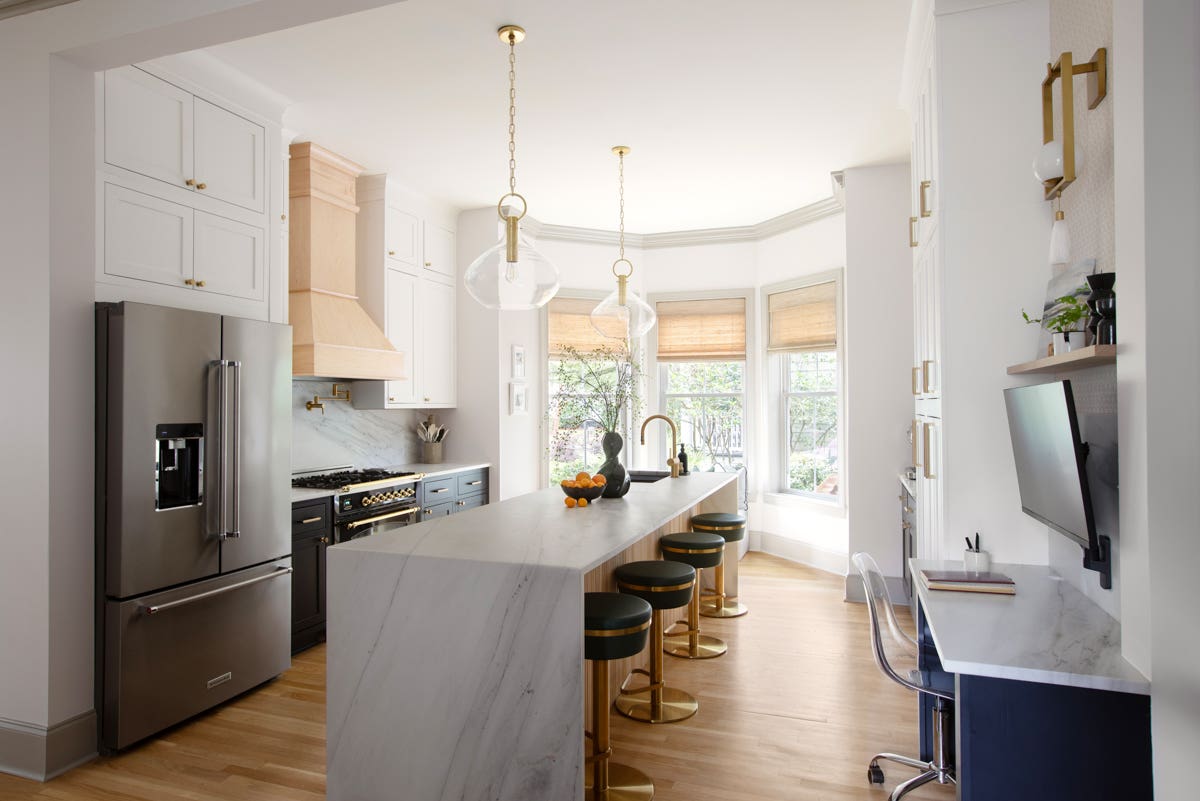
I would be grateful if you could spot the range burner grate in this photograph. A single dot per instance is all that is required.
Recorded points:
(346, 478)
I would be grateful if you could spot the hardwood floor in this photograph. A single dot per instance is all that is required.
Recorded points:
(793, 711)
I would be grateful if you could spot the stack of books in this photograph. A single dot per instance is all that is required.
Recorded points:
(969, 581)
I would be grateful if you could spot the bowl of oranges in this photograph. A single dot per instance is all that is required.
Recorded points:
(583, 489)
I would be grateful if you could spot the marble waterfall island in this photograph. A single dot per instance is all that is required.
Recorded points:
(455, 655)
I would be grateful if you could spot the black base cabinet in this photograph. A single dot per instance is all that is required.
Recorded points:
(456, 492)
(312, 531)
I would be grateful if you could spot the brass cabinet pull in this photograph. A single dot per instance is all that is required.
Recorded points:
(436, 491)
(912, 232)
(916, 454)
(906, 526)
(369, 520)
(308, 520)
(391, 399)
(474, 483)
(925, 437)
(925, 210)
(324, 540)
(925, 375)
(202, 185)
(391, 253)
(427, 400)
(189, 282)
(190, 182)
(916, 384)
(428, 264)
(199, 283)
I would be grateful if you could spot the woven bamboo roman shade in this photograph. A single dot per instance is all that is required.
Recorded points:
(570, 325)
(803, 319)
(701, 330)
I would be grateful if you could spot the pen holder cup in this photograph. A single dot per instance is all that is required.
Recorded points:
(977, 561)
(431, 452)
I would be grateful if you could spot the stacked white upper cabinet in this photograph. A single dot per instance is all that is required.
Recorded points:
(406, 282)
(971, 81)
(185, 211)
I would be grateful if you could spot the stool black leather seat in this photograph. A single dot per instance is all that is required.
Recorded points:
(700, 549)
(664, 585)
(731, 526)
(615, 626)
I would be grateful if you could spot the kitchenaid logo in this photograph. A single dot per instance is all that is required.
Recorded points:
(219, 680)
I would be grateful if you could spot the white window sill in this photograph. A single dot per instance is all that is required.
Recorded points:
(787, 500)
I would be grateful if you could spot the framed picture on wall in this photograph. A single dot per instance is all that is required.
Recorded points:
(518, 362)
(518, 398)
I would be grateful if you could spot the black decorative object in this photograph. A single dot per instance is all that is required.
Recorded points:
(1102, 291)
(1106, 331)
(683, 459)
(612, 470)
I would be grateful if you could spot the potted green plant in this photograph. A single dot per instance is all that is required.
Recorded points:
(596, 387)
(1065, 322)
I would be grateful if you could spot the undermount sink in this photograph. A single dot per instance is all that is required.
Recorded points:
(647, 476)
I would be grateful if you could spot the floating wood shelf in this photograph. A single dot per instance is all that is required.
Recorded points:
(1091, 356)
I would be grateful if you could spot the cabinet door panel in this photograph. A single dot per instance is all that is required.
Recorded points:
(147, 125)
(230, 156)
(146, 238)
(308, 581)
(437, 348)
(402, 232)
(439, 250)
(229, 257)
(401, 329)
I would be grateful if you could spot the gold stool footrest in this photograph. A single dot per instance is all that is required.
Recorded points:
(675, 705)
(706, 647)
(626, 690)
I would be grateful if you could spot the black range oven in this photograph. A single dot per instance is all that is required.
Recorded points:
(368, 501)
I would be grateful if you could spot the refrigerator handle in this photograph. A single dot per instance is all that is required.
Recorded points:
(236, 438)
(222, 412)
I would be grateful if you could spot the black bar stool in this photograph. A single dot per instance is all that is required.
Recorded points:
(732, 527)
(664, 585)
(700, 549)
(615, 626)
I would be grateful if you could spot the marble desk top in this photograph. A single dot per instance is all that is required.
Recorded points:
(537, 528)
(1049, 632)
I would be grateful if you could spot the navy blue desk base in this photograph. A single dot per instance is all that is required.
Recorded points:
(1041, 742)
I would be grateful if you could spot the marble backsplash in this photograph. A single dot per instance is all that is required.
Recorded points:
(344, 435)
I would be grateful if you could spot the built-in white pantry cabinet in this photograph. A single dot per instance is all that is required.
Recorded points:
(406, 282)
(973, 219)
(186, 215)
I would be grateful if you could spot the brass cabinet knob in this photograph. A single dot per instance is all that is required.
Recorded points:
(202, 185)
(428, 264)
(427, 400)
(189, 281)
(190, 182)
(391, 253)
(199, 283)
(283, 217)
(324, 540)
(391, 399)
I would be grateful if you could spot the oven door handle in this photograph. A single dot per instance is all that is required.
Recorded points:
(359, 523)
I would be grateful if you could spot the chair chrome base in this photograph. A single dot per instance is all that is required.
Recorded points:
(624, 784)
(938, 770)
(705, 647)
(673, 705)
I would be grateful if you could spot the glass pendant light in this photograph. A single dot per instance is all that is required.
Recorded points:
(622, 315)
(512, 275)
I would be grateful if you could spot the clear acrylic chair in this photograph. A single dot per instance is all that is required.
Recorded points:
(903, 648)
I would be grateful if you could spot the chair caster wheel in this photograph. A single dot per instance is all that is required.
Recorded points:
(875, 774)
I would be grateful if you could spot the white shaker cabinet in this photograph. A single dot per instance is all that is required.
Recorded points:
(437, 363)
(402, 238)
(146, 238)
(229, 257)
(148, 126)
(401, 326)
(230, 156)
(439, 250)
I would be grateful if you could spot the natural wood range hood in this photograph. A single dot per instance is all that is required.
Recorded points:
(333, 336)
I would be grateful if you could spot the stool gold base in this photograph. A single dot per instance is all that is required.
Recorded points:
(706, 647)
(676, 705)
(624, 784)
(729, 608)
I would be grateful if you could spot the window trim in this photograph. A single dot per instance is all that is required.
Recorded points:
(776, 393)
(655, 388)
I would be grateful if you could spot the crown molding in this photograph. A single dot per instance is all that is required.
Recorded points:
(796, 218)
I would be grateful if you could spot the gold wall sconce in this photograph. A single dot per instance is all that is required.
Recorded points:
(1097, 88)
(340, 393)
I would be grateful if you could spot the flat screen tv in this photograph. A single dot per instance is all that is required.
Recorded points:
(1051, 466)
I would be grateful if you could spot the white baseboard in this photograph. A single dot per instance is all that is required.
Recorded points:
(798, 551)
(41, 753)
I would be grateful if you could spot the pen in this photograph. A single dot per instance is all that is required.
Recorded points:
(976, 542)
(968, 539)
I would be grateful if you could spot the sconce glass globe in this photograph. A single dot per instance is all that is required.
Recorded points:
(1048, 166)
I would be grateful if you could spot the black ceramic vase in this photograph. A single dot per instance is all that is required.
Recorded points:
(1101, 295)
(612, 470)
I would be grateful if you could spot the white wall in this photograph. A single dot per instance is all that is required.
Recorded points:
(879, 353)
(1172, 176)
(46, 432)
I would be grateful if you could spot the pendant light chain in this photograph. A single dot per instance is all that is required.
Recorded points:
(621, 181)
(512, 113)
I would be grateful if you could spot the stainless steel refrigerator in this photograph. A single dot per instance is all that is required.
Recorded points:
(193, 537)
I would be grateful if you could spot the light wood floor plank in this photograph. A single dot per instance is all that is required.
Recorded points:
(792, 712)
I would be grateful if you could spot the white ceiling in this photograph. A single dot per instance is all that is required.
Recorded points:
(735, 112)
